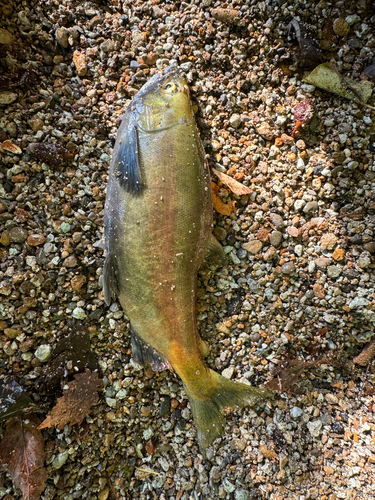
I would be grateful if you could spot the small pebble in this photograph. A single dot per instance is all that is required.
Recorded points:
(253, 246)
(288, 268)
(277, 220)
(341, 27)
(79, 313)
(276, 238)
(43, 353)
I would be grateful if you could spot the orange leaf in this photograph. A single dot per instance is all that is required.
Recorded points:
(75, 404)
(235, 186)
(219, 206)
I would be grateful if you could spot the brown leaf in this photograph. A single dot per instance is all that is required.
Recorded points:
(309, 52)
(366, 355)
(75, 404)
(235, 186)
(22, 455)
(287, 377)
(219, 206)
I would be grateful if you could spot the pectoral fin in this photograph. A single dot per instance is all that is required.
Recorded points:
(145, 355)
(126, 160)
(215, 255)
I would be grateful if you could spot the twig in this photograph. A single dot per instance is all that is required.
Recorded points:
(111, 486)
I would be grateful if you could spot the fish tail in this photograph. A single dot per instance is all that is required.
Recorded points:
(207, 413)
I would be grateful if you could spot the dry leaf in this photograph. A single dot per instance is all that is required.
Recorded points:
(235, 186)
(287, 377)
(366, 355)
(327, 77)
(75, 404)
(309, 52)
(22, 455)
(219, 206)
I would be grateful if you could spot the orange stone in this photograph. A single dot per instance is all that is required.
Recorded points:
(319, 291)
(338, 254)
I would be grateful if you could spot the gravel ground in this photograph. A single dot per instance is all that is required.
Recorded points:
(292, 309)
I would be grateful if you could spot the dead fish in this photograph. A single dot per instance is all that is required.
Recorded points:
(158, 218)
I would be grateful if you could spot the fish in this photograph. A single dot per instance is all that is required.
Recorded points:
(158, 231)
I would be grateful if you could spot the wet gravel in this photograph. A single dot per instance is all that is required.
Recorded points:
(299, 286)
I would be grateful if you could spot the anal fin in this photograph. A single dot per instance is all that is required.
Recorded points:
(145, 355)
(111, 285)
(215, 255)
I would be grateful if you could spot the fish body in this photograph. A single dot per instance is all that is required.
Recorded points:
(158, 219)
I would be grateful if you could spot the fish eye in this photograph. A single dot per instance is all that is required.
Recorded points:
(170, 87)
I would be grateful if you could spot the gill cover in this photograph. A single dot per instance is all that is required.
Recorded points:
(163, 102)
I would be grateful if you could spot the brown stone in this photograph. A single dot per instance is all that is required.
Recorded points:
(36, 124)
(293, 231)
(5, 239)
(70, 261)
(80, 63)
(265, 131)
(253, 246)
(319, 291)
(270, 254)
(323, 262)
(262, 235)
(78, 281)
(12, 333)
(328, 241)
(36, 239)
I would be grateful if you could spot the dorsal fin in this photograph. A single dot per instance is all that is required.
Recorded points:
(126, 161)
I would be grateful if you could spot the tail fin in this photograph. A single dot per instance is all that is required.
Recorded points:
(207, 414)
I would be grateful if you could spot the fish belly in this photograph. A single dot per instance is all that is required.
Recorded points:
(165, 234)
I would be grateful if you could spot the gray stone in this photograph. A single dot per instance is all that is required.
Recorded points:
(276, 238)
(60, 460)
(288, 268)
(311, 207)
(228, 486)
(296, 412)
(315, 427)
(241, 495)
(277, 220)
(333, 271)
(358, 302)
(79, 313)
(364, 260)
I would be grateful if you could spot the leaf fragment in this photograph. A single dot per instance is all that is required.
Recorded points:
(327, 77)
(219, 205)
(75, 404)
(22, 455)
(366, 355)
(235, 186)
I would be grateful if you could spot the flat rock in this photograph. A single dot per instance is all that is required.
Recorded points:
(253, 246)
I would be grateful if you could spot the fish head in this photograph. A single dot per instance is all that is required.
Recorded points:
(163, 102)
